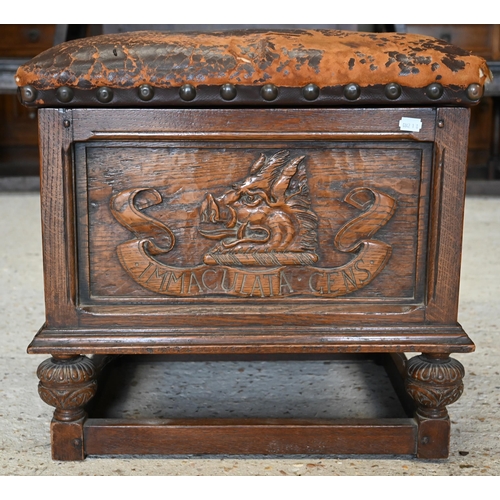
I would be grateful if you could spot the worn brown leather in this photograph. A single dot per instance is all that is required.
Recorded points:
(287, 59)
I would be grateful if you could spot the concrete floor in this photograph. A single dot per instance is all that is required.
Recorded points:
(24, 418)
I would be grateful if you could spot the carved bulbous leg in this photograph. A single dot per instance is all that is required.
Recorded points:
(434, 381)
(67, 383)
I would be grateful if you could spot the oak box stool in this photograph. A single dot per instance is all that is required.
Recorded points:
(288, 194)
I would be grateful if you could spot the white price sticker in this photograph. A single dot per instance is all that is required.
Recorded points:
(410, 124)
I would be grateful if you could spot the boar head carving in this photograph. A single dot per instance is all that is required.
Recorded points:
(268, 212)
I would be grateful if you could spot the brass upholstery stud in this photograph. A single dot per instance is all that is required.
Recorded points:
(104, 95)
(28, 93)
(392, 90)
(146, 92)
(187, 92)
(310, 91)
(269, 92)
(352, 91)
(64, 94)
(434, 90)
(228, 92)
(474, 91)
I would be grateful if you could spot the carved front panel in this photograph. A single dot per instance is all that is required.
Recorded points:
(228, 221)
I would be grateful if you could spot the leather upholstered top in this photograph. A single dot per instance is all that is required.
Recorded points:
(252, 67)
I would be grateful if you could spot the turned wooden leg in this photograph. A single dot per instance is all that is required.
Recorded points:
(67, 383)
(434, 381)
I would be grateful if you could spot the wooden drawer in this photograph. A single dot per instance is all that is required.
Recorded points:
(25, 40)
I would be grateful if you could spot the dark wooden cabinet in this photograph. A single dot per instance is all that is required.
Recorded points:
(18, 138)
(25, 40)
(18, 125)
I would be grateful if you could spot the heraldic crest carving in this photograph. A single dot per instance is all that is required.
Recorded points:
(266, 234)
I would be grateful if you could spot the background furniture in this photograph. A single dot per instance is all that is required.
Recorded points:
(19, 156)
(18, 125)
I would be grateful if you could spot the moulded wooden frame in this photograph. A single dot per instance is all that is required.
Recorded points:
(76, 326)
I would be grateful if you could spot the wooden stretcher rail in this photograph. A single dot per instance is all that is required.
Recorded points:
(239, 437)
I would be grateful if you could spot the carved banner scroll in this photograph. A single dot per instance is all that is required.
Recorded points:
(267, 238)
